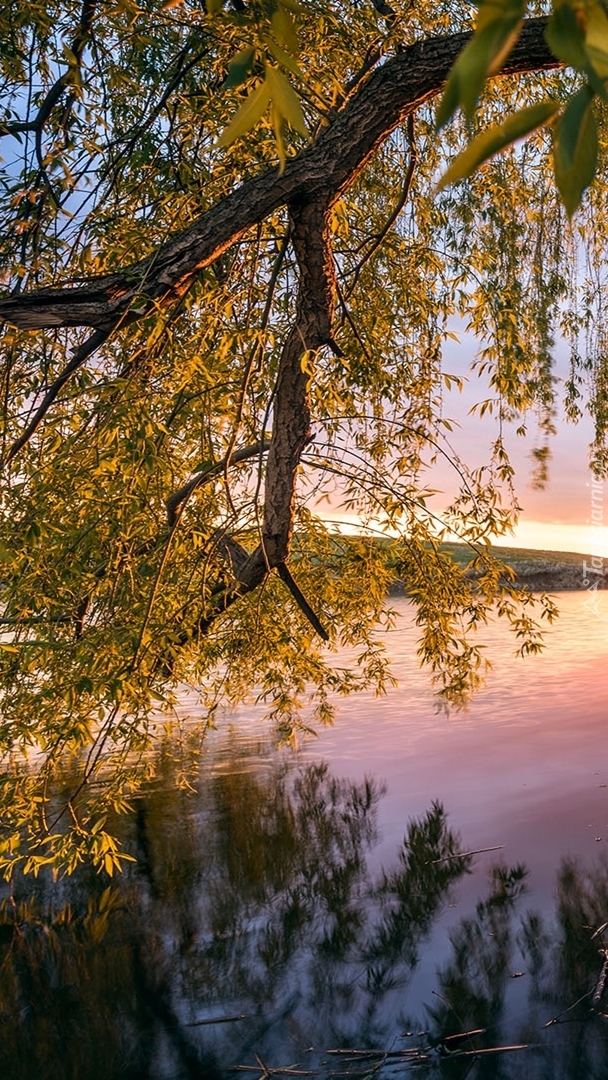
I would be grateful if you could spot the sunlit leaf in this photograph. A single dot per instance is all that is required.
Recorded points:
(286, 100)
(575, 149)
(506, 16)
(252, 110)
(490, 142)
(277, 125)
(284, 30)
(284, 58)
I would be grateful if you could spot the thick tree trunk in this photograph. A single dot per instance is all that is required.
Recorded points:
(291, 407)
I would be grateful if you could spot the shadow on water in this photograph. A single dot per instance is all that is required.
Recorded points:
(252, 936)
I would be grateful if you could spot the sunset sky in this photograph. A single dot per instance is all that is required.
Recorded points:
(557, 518)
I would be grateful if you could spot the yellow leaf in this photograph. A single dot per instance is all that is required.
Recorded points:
(277, 124)
(252, 110)
(284, 58)
(286, 100)
(284, 30)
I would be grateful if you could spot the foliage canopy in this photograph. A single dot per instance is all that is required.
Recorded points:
(229, 266)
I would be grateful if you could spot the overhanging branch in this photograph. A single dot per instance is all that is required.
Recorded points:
(383, 101)
(177, 500)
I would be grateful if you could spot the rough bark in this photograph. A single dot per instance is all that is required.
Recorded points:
(319, 173)
(311, 330)
(291, 419)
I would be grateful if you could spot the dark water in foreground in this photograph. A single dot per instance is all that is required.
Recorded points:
(300, 910)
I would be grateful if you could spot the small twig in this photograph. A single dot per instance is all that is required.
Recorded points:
(32, 620)
(494, 1050)
(54, 94)
(175, 501)
(451, 1044)
(256, 354)
(557, 1018)
(286, 1070)
(412, 1054)
(80, 354)
(218, 1020)
(465, 854)
(377, 240)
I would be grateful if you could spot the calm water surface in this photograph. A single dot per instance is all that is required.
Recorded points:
(306, 902)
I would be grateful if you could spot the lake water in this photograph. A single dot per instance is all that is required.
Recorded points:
(303, 902)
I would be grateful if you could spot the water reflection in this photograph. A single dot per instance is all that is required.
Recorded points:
(252, 933)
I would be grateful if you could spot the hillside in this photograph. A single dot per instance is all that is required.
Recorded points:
(540, 571)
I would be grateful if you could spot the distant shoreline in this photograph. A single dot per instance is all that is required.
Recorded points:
(539, 571)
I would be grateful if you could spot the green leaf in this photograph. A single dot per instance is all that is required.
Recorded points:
(286, 100)
(284, 58)
(497, 138)
(252, 110)
(596, 41)
(568, 40)
(239, 68)
(565, 37)
(284, 30)
(575, 149)
(498, 30)
(277, 124)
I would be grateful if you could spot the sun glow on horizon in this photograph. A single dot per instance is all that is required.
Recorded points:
(583, 539)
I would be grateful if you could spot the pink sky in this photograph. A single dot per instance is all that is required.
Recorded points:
(559, 516)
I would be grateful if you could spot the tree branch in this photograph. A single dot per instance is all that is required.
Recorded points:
(383, 101)
(291, 422)
(79, 355)
(56, 90)
(176, 501)
(301, 601)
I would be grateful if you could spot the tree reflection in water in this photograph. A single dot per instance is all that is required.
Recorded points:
(252, 930)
